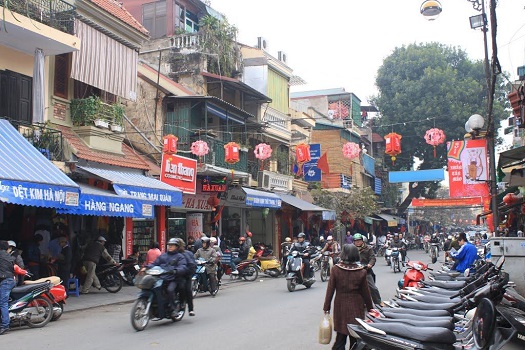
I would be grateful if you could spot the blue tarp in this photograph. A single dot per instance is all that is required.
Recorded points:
(139, 186)
(417, 175)
(369, 164)
(27, 177)
(255, 198)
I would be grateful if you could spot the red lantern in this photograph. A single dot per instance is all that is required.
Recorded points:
(213, 201)
(393, 145)
(302, 153)
(435, 137)
(170, 144)
(510, 199)
(231, 153)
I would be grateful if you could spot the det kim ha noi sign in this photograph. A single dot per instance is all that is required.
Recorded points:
(179, 172)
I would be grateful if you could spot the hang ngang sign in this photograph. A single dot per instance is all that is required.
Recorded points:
(179, 172)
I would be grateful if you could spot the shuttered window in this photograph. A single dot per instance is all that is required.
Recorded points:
(61, 78)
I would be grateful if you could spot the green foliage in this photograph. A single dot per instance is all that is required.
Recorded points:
(219, 42)
(422, 86)
(358, 202)
(85, 110)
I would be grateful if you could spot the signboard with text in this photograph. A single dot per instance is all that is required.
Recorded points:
(179, 172)
(311, 172)
(194, 225)
(467, 168)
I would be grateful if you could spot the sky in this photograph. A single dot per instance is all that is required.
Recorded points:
(342, 43)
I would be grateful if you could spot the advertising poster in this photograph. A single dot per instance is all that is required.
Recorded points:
(467, 168)
(310, 170)
(179, 172)
(194, 225)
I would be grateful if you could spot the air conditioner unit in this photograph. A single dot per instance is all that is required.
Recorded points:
(263, 180)
(262, 43)
(282, 56)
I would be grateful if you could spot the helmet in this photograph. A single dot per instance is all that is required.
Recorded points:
(321, 238)
(101, 239)
(449, 237)
(249, 234)
(301, 235)
(213, 240)
(287, 239)
(358, 237)
(329, 238)
(205, 239)
(434, 234)
(181, 242)
(11, 243)
(174, 241)
(242, 239)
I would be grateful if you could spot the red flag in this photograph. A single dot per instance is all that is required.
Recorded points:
(322, 163)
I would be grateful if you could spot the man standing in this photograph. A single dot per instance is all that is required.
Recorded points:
(7, 282)
(368, 260)
(466, 255)
(348, 238)
(94, 251)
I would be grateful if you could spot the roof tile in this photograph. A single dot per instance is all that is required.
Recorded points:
(118, 10)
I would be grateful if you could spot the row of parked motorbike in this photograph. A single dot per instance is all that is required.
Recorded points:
(478, 310)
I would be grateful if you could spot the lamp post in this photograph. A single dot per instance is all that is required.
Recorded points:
(431, 10)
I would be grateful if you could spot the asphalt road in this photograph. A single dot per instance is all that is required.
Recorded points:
(244, 315)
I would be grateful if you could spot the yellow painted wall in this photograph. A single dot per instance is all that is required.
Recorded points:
(16, 61)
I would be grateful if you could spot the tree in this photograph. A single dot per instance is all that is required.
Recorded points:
(422, 86)
(357, 202)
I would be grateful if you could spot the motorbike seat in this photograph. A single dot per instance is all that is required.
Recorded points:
(425, 306)
(409, 316)
(20, 291)
(416, 312)
(445, 284)
(438, 335)
(417, 323)
(54, 280)
(440, 291)
(435, 299)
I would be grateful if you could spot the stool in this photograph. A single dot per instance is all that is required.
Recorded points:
(73, 287)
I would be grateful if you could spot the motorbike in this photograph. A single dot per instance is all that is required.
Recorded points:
(426, 243)
(414, 274)
(268, 263)
(381, 250)
(31, 305)
(434, 252)
(327, 261)
(316, 260)
(394, 260)
(109, 277)
(295, 271)
(58, 294)
(248, 269)
(153, 293)
(128, 270)
(200, 282)
(388, 254)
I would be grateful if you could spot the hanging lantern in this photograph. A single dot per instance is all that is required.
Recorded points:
(351, 151)
(302, 155)
(199, 148)
(393, 145)
(231, 153)
(435, 137)
(170, 144)
(213, 202)
(262, 151)
(510, 199)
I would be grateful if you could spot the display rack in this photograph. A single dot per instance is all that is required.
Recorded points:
(143, 231)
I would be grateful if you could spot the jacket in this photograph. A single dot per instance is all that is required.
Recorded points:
(465, 256)
(7, 265)
(300, 247)
(367, 255)
(171, 261)
(94, 251)
(208, 254)
(191, 266)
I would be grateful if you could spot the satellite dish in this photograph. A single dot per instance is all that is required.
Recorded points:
(331, 114)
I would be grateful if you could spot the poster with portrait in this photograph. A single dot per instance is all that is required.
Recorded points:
(468, 168)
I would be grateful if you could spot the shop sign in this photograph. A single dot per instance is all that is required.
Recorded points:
(214, 185)
(194, 225)
(147, 210)
(29, 193)
(179, 172)
(236, 196)
(195, 202)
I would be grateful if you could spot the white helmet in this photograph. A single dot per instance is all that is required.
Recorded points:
(329, 238)
(213, 240)
(101, 239)
(11, 243)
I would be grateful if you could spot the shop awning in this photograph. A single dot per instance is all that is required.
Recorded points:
(138, 186)
(98, 202)
(369, 220)
(327, 214)
(256, 198)
(512, 157)
(27, 177)
(390, 219)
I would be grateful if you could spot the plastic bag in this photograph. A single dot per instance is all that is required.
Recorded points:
(325, 329)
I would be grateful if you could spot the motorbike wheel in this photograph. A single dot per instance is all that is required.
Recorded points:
(194, 288)
(317, 266)
(250, 273)
(40, 312)
(113, 282)
(433, 256)
(180, 314)
(129, 278)
(139, 317)
(274, 272)
(324, 273)
(57, 313)
(381, 252)
(291, 285)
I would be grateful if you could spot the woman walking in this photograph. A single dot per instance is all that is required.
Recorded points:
(348, 282)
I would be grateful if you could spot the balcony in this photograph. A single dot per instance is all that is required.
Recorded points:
(187, 42)
(47, 140)
(23, 32)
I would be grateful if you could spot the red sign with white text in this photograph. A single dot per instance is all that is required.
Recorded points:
(179, 172)
(467, 168)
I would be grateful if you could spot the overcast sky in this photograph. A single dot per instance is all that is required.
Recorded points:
(342, 43)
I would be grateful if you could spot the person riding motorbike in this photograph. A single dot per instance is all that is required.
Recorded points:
(398, 243)
(244, 250)
(368, 260)
(209, 254)
(303, 247)
(285, 249)
(466, 255)
(175, 263)
(333, 247)
(220, 272)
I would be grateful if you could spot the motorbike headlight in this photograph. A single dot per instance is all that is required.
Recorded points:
(294, 253)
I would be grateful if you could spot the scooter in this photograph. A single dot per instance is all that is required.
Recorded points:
(128, 270)
(200, 282)
(269, 265)
(153, 293)
(413, 274)
(394, 260)
(388, 254)
(58, 293)
(295, 271)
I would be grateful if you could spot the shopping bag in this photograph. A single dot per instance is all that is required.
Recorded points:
(325, 329)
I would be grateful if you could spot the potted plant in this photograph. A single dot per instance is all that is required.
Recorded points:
(118, 117)
(84, 110)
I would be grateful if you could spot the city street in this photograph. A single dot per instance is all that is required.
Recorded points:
(244, 315)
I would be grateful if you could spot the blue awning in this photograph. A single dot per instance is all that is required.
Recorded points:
(138, 186)
(255, 198)
(98, 202)
(27, 177)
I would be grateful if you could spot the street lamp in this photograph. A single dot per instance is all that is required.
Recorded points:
(475, 123)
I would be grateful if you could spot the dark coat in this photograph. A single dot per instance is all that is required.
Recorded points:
(349, 284)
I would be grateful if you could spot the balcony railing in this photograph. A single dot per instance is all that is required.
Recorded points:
(57, 14)
(187, 41)
(47, 140)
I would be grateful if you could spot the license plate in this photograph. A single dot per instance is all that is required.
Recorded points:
(121, 273)
(137, 267)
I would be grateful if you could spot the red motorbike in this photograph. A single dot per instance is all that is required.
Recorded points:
(248, 269)
(413, 274)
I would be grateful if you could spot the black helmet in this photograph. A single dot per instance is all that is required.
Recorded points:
(174, 241)
(301, 235)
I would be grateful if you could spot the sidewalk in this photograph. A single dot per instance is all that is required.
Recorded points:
(127, 294)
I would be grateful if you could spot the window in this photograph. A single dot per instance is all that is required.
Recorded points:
(184, 20)
(16, 96)
(83, 90)
(61, 79)
(154, 18)
(192, 22)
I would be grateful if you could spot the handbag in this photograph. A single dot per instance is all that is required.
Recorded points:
(325, 329)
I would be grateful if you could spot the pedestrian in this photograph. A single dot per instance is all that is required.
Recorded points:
(153, 253)
(43, 231)
(367, 258)
(94, 251)
(191, 268)
(348, 282)
(348, 238)
(248, 238)
(7, 283)
(32, 257)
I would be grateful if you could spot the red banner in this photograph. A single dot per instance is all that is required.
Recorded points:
(467, 168)
(179, 172)
(448, 202)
